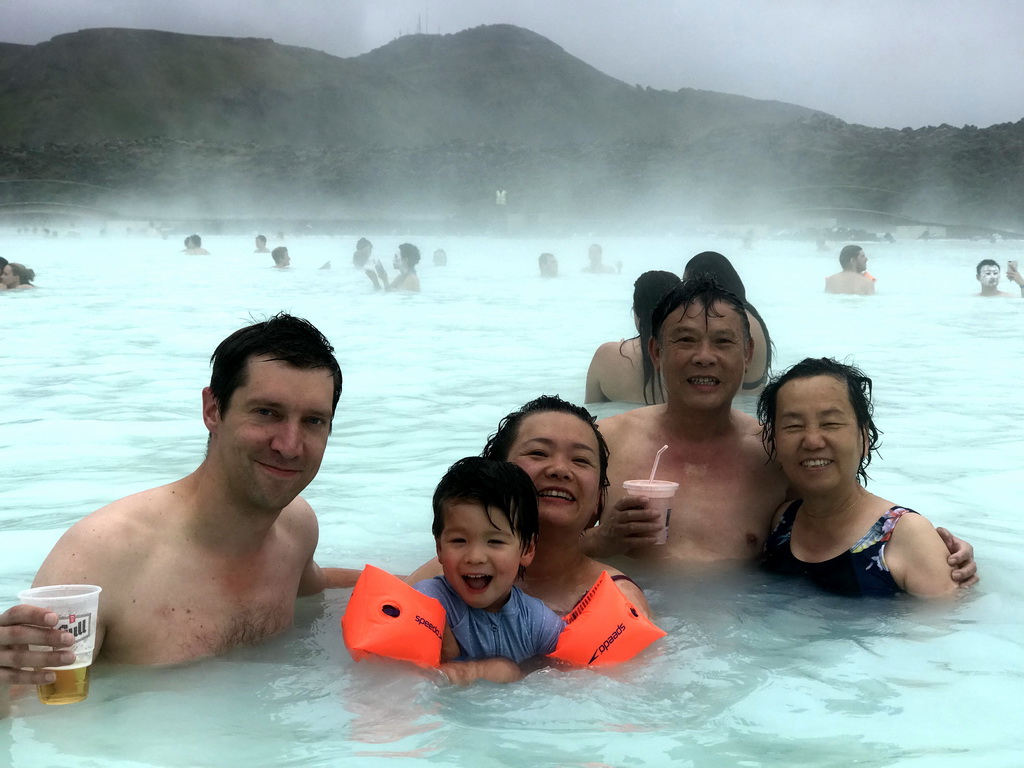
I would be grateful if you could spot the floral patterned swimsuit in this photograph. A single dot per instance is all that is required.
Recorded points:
(861, 570)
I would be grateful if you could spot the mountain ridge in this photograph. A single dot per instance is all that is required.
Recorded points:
(433, 124)
(488, 83)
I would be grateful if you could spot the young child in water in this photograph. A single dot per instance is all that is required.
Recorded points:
(485, 528)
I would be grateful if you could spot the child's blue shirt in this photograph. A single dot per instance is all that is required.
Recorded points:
(522, 629)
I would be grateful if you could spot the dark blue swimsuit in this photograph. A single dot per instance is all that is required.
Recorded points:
(861, 570)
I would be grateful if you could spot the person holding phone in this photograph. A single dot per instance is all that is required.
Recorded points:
(988, 274)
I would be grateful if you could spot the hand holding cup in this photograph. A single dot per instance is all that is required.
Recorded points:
(76, 607)
(27, 625)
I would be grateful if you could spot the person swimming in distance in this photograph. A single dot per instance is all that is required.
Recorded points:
(406, 259)
(548, 265)
(195, 246)
(15, 276)
(988, 273)
(853, 278)
(816, 421)
(721, 269)
(261, 244)
(596, 265)
(623, 371)
(485, 532)
(363, 253)
(281, 258)
(440, 258)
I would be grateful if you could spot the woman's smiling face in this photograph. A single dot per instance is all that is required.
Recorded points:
(560, 453)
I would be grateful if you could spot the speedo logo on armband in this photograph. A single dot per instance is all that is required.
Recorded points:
(608, 643)
(429, 625)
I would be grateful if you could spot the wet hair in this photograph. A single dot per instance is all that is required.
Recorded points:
(548, 264)
(649, 289)
(279, 254)
(24, 274)
(986, 263)
(500, 443)
(362, 243)
(858, 388)
(493, 484)
(410, 254)
(283, 337)
(197, 241)
(704, 290)
(848, 254)
(719, 267)
(261, 239)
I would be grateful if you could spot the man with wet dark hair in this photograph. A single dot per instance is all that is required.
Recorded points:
(853, 278)
(261, 244)
(215, 559)
(728, 490)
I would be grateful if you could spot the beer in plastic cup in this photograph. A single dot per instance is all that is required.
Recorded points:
(661, 493)
(76, 606)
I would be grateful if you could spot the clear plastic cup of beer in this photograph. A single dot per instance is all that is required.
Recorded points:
(76, 606)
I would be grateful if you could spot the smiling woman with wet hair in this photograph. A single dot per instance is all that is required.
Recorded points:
(818, 423)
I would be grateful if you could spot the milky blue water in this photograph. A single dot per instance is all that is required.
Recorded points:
(102, 369)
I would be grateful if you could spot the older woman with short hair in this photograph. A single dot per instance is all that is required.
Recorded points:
(817, 422)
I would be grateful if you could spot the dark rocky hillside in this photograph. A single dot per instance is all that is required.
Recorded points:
(433, 124)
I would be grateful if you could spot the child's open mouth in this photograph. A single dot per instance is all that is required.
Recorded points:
(477, 583)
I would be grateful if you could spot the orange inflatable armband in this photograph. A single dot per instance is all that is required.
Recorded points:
(604, 628)
(387, 617)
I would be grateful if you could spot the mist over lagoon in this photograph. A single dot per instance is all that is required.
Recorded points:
(143, 125)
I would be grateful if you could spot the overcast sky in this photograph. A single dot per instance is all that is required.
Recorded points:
(884, 63)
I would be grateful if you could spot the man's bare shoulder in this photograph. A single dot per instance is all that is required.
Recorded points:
(849, 283)
(299, 521)
(751, 443)
(104, 541)
(140, 511)
(745, 423)
(832, 282)
(637, 418)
